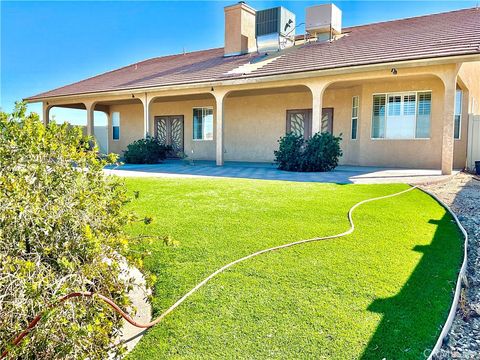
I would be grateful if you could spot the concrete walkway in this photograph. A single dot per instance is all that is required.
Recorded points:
(265, 171)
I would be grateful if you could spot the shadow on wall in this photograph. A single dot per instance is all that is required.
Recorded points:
(422, 305)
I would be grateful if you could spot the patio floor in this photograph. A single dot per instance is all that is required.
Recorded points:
(265, 171)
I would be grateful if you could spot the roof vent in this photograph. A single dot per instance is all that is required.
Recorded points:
(323, 21)
(274, 29)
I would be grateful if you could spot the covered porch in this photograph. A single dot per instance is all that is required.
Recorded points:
(243, 121)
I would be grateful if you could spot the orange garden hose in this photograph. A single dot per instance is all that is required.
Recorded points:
(110, 302)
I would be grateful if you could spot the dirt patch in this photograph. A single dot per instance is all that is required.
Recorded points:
(462, 194)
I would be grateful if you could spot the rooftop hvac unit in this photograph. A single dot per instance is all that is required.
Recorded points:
(274, 29)
(323, 19)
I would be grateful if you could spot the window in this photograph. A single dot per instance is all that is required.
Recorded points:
(378, 121)
(116, 126)
(423, 115)
(202, 124)
(458, 115)
(354, 117)
(401, 116)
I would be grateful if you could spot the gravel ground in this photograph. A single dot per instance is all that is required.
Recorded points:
(462, 194)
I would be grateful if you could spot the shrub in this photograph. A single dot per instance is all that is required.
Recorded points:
(319, 153)
(145, 151)
(60, 231)
(289, 154)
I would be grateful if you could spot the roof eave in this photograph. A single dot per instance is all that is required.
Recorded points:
(269, 78)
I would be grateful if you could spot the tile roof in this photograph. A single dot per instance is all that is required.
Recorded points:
(438, 35)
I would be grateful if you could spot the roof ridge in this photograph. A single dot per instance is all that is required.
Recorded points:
(210, 64)
(411, 17)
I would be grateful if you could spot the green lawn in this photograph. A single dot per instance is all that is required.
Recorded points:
(381, 292)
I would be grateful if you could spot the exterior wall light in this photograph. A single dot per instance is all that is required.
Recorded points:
(394, 71)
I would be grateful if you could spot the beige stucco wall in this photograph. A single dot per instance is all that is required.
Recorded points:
(131, 120)
(469, 79)
(469, 82)
(469, 75)
(416, 153)
(195, 149)
(254, 123)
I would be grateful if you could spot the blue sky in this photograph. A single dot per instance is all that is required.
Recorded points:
(45, 45)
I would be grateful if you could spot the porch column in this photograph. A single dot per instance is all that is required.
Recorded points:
(90, 118)
(46, 113)
(219, 97)
(317, 90)
(448, 124)
(146, 114)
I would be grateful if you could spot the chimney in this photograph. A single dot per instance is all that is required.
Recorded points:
(239, 29)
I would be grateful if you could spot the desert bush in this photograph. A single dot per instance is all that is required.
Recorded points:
(145, 151)
(289, 153)
(319, 153)
(61, 225)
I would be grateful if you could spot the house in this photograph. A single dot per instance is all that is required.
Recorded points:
(401, 93)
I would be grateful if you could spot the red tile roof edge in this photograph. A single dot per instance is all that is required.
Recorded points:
(45, 95)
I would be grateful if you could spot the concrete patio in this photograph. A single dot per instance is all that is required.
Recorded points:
(266, 171)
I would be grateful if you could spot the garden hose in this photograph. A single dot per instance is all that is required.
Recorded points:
(129, 319)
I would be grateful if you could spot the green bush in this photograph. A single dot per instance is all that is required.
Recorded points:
(61, 223)
(289, 154)
(145, 151)
(319, 153)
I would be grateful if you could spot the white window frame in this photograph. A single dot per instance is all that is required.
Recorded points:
(113, 126)
(203, 127)
(458, 114)
(402, 94)
(354, 118)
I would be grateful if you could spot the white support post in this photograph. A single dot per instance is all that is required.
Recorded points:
(219, 118)
(317, 90)
(90, 118)
(146, 115)
(46, 113)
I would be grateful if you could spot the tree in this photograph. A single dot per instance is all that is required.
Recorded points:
(61, 225)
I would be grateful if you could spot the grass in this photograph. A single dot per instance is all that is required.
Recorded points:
(382, 292)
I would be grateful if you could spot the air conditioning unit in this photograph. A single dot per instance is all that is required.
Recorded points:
(274, 29)
(323, 19)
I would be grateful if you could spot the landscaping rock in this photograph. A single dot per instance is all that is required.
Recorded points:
(462, 194)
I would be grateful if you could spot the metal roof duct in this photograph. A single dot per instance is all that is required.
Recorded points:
(323, 21)
(274, 29)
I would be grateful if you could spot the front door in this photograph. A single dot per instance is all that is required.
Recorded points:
(300, 121)
(169, 131)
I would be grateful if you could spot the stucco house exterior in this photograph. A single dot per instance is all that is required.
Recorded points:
(400, 92)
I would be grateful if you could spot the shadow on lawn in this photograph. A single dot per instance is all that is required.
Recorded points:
(412, 319)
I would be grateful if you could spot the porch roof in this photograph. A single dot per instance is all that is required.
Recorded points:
(439, 35)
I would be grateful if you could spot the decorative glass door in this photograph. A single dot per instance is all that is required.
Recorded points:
(299, 122)
(169, 131)
(327, 120)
